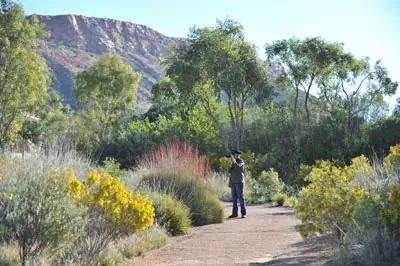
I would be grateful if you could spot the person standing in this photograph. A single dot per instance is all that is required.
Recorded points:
(236, 182)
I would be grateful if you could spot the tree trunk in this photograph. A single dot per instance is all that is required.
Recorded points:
(224, 138)
(22, 253)
(220, 130)
(237, 138)
(242, 121)
(298, 144)
(306, 104)
(308, 115)
(234, 122)
(297, 129)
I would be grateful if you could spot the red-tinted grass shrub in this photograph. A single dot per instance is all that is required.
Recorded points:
(179, 171)
(177, 156)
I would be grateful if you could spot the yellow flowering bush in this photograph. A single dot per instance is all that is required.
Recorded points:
(114, 211)
(302, 173)
(328, 202)
(121, 206)
(393, 157)
(37, 213)
(390, 215)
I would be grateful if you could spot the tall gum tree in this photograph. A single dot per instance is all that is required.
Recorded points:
(305, 62)
(24, 75)
(218, 66)
(354, 87)
(106, 91)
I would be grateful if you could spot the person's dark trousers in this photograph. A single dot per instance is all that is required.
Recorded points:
(238, 194)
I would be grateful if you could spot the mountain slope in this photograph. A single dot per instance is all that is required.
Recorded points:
(76, 41)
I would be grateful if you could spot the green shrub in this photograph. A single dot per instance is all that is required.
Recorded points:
(195, 193)
(368, 247)
(270, 183)
(279, 198)
(372, 236)
(219, 183)
(111, 256)
(212, 209)
(112, 167)
(132, 178)
(302, 174)
(255, 200)
(114, 212)
(262, 189)
(36, 211)
(152, 238)
(171, 214)
(393, 159)
(252, 191)
(360, 203)
(328, 203)
(290, 202)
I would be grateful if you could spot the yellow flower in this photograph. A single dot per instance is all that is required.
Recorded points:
(93, 178)
(120, 205)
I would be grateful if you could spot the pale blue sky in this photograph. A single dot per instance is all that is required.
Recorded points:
(367, 27)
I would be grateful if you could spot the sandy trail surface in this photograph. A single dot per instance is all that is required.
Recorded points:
(266, 237)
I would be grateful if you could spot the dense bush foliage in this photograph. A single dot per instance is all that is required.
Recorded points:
(359, 204)
(36, 212)
(328, 202)
(180, 171)
(280, 199)
(53, 216)
(121, 207)
(196, 194)
(270, 183)
(171, 214)
(114, 211)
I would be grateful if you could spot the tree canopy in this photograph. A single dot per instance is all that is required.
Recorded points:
(106, 90)
(217, 65)
(24, 75)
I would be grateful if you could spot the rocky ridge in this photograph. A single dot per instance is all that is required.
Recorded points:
(76, 41)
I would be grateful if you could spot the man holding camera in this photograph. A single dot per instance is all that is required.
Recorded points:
(236, 182)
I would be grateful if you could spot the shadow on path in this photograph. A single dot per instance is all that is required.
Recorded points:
(314, 251)
(283, 213)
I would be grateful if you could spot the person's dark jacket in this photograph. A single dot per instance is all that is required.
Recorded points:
(236, 172)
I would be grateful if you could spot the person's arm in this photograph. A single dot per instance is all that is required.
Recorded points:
(230, 172)
(231, 165)
(234, 162)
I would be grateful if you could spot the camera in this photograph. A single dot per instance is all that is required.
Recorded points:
(233, 152)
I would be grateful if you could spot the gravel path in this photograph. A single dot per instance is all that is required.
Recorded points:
(266, 237)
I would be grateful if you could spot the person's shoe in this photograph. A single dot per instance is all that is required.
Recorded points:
(244, 216)
(232, 216)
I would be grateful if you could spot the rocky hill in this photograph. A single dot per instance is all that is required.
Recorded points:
(76, 41)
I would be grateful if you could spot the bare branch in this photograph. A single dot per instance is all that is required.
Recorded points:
(359, 86)
(344, 90)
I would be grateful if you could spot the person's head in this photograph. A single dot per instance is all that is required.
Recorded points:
(236, 154)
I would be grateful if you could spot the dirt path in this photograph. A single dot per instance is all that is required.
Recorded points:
(266, 237)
